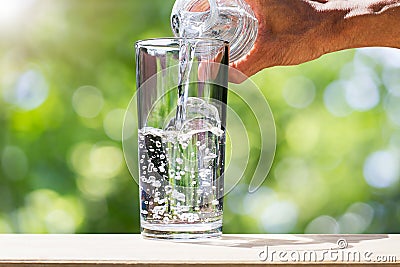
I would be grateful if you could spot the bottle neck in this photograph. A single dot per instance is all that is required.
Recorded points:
(192, 18)
(230, 20)
(213, 15)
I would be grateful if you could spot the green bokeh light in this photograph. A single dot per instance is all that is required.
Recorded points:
(62, 167)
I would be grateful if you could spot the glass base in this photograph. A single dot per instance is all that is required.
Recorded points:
(182, 232)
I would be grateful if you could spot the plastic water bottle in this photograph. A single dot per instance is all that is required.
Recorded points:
(230, 20)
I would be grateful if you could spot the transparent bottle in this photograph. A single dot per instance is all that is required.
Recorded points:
(230, 20)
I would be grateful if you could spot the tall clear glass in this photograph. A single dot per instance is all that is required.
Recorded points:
(182, 93)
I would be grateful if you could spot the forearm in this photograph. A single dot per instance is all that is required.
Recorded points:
(296, 31)
(362, 23)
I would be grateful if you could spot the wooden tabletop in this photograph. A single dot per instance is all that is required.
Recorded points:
(243, 250)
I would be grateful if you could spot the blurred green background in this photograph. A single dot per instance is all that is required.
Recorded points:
(67, 76)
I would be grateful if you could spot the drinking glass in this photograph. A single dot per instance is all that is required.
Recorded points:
(182, 94)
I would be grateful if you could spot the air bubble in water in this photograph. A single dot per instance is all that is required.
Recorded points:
(204, 173)
(150, 167)
(168, 189)
(210, 156)
(178, 196)
(156, 184)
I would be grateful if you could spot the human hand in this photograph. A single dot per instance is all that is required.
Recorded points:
(290, 32)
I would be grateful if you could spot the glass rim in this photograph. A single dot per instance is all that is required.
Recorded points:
(172, 41)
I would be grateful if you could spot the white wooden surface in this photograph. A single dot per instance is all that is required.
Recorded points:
(72, 250)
